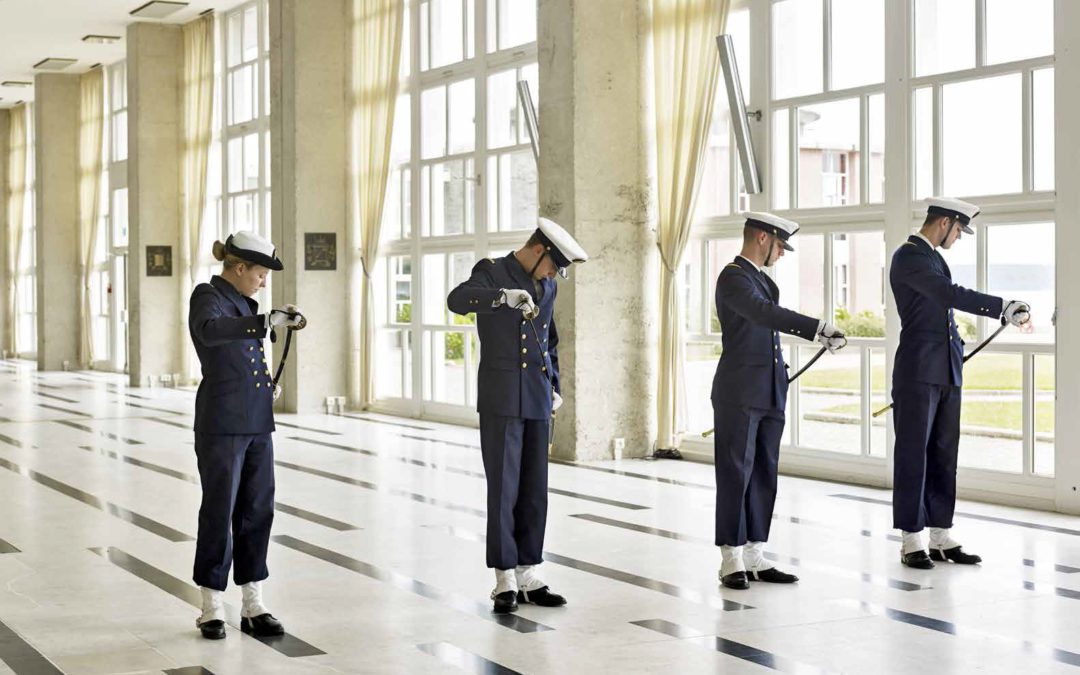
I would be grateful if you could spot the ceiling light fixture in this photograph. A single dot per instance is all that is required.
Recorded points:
(16, 83)
(158, 9)
(101, 39)
(54, 64)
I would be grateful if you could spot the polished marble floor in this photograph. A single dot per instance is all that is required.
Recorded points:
(377, 559)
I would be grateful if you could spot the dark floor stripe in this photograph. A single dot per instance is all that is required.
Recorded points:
(440, 442)
(297, 426)
(632, 474)
(1064, 569)
(972, 516)
(287, 644)
(190, 670)
(1058, 591)
(11, 441)
(89, 430)
(58, 398)
(466, 472)
(22, 658)
(153, 526)
(616, 575)
(387, 422)
(143, 406)
(897, 584)
(729, 647)
(171, 423)
(69, 411)
(408, 584)
(6, 547)
(311, 516)
(457, 657)
(348, 480)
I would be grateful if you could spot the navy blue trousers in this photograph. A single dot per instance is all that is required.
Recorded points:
(746, 450)
(237, 474)
(926, 419)
(516, 466)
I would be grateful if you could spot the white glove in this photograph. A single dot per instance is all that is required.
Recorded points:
(1017, 312)
(831, 337)
(287, 316)
(515, 298)
(556, 401)
(277, 391)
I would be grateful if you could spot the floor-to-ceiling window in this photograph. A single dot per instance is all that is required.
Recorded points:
(980, 92)
(115, 204)
(463, 186)
(26, 272)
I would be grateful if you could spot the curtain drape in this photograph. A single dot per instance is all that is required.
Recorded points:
(197, 116)
(378, 27)
(16, 199)
(686, 64)
(91, 170)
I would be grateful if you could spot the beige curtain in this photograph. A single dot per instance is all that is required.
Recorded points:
(197, 121)
(376, 56)
(16, 199)
(91, 169)
(686, 63)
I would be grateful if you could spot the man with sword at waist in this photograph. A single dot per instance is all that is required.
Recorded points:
(927, 378)
(749, 395)
(517, 394)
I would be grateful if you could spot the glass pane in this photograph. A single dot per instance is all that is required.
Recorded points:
(829, 154)
(502, 109)
(1017, 270)
(1019, 30)
(781, 165)
(991, 418)
(800, 274)
(1045, 386)
(924, 143)
(447, 29)
(517, 22)
(452, 195)
(251, 162)
(714, 191)
(797, 47)
(251, 33)
(236, 164)
(401, 142)
(433, 122)
(858, 42)
(879, 394)
(972, 113)
(738, 27)
(720, 252)
(944, 36)
(830, 415)
(242, 94)
(233, 39)
(119, 217)
(530, 74)
(393, 365)
(877, 148)
(242, 213)
(699, 366)
(859, 283)
(517, 191)
(399, 269)
(446, 351)
(119, 136)
(462, 111)
(1042, 128)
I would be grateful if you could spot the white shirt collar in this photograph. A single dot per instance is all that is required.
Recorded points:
(922, 236)
(749, 261)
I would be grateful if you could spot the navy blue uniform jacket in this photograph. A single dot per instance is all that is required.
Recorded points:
(236, 392)
(751, 371)
(516, 375)
(931, 350)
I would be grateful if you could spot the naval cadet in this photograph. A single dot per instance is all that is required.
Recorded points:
(749, 395)
(518, 391)
(927, 379)
(233, 421)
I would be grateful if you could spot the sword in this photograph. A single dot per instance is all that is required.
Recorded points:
(540, 346)
(968, 356)
(288, 344)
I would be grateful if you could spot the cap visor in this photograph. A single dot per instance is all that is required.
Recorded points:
(787, 246)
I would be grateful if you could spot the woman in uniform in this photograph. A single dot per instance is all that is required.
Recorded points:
(234, 418)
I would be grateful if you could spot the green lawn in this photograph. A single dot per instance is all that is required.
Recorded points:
(997, 372)
(991, 414)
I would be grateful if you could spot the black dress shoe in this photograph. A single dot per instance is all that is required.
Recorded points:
(264, 625)
(773, 576)
(954, 554)
(213, 630)
(917, 559)
(505, 602)
(542, 597)
(736, 580)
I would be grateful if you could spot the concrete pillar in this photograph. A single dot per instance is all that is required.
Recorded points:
(1066, 175)
(5, 276)
(309, 162)
(594, 108)
(56, 139)
(154, 61)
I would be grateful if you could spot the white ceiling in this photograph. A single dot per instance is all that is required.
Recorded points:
(32, 30)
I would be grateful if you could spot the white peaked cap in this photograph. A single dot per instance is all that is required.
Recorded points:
(953, 208)
(783, 228)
